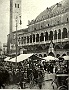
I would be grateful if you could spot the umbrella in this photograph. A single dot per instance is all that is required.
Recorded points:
(50, 58)
(65, 57)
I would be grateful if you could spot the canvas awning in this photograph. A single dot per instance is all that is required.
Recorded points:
(50, 58)
(23, 57)
(7, 59)
(20, 58)
(65, 57)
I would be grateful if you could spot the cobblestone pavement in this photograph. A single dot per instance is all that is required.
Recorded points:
(12, 86)
(46, 85)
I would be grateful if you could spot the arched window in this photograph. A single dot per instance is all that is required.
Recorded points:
(40, 55)
(30, 38)
(51, 35)
(33, 38)
(64, 33)
(46, 36)
(37, 37)
(51, 54)
(22, 40)
(27, 39)
(56, 47)
(42, 37)
(45, 55)
(55, 34)
(59, 34)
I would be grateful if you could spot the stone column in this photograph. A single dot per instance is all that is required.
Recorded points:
(61, 36)
(48, 36)
(53, 36)
(35, 38)
(32, 38)
(57, 36)
(44, 36)
(39, 37)
(26, 39)
(29, 39)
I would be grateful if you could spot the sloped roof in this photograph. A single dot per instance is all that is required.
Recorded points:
(58, 7)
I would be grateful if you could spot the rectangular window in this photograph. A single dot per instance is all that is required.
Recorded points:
(15, 5)
(18, 5)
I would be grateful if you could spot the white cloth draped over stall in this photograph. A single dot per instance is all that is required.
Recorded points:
(7, 59)
(65, 57)
(19, 58)
(50, 58)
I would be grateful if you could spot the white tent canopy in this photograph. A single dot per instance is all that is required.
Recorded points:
(49, 58)
(7, 59)
(20, 58)
(66, 57)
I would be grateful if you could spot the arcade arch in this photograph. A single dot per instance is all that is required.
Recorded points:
(40, 55)
(51, 54)
(57, 47)
(42, 37)
(55, 34)
(45, 55)
(46, 36)
(51, 35)
(66, 46)
(37, 37)
(59, 34)
(64, 33)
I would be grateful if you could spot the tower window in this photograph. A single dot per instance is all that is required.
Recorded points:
(15, 5)
(18, 5)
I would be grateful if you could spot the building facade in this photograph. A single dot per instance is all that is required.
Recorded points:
(50, 25)
(11, 50)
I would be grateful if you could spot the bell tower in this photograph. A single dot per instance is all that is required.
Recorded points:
(15, 17)
(15, 12)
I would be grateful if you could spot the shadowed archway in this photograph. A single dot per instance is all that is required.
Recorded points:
(66, 46)
(51, 54)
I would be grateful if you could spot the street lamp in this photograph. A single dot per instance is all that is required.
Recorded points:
(16, 37)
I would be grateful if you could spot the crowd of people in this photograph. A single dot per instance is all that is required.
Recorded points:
(58, 67)
(33, 73)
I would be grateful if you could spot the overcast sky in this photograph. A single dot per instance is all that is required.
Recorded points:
(30, 10)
